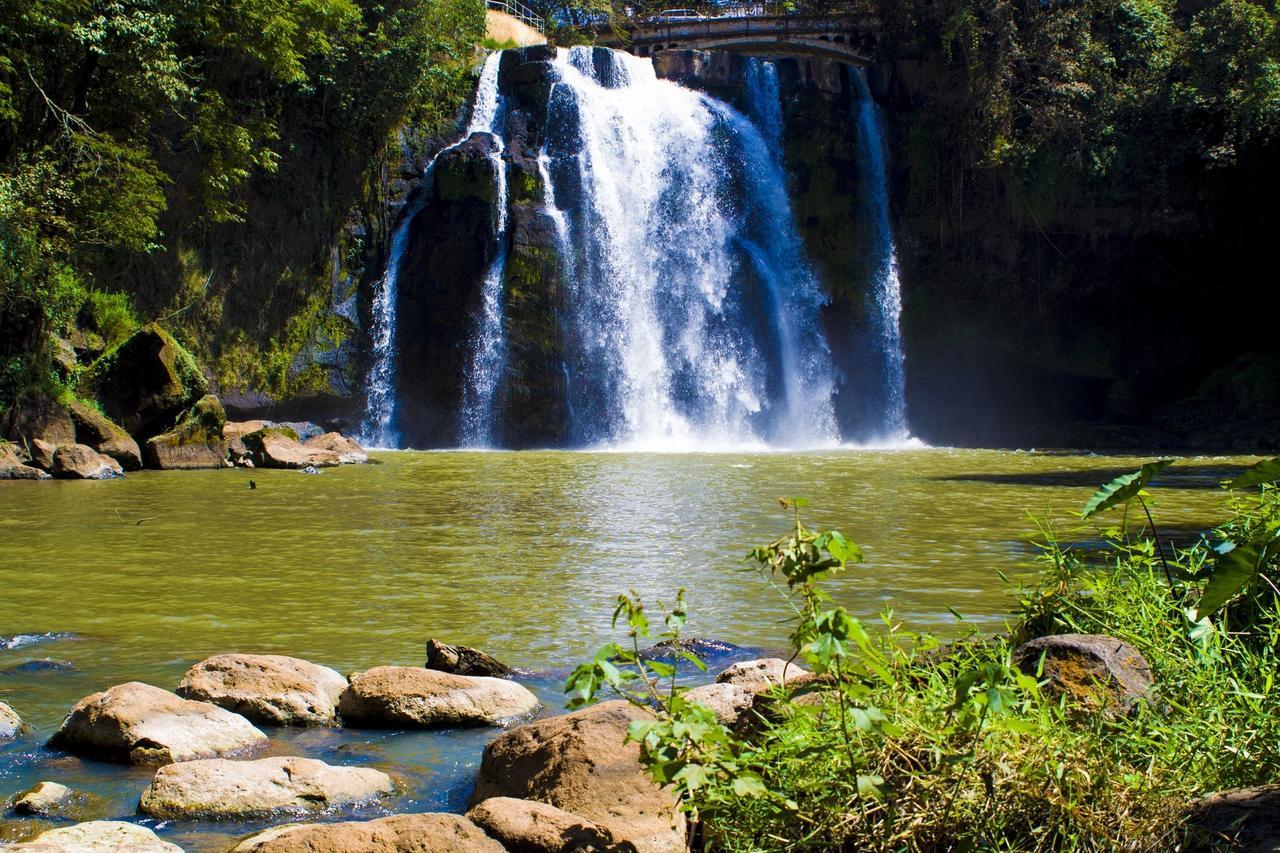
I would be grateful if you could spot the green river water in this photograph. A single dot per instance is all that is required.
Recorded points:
(521, 554)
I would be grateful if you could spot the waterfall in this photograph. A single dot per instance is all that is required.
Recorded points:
(488, 344)
(886, 288)
(692, 313)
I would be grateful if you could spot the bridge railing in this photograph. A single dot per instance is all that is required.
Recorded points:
(520, 12)
(643, 13)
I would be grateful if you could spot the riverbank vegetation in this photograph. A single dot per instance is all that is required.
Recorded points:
(896, 741)
(195, 162)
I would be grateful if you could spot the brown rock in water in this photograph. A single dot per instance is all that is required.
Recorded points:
(80, 462)
(393, 696)
(105, 436)
(217, 789)
(195, 443)
(272, 689)
(42, 453)
(13, 468)
(135, 723)
(146, 383)
(525, 826)
(98, 836)
(760, 674)
(11, 725)
(1246, 820)
(38, 416)
(581, 763)
(464, 660)
(400, 833)
(728, 701)
(51, 799)
(1096, 671)
(278, 447)
(349, 452)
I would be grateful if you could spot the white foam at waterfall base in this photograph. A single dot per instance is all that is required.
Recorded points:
(679, 199)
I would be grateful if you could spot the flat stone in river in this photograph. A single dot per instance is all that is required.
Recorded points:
(415, 697)
(136, 723)
(272, 689)
(98, 836)
(399, 833)
(216, 788)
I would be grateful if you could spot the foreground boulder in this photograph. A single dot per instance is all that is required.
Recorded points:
(278, 447)
(216, 788)
(136, 723)
(400, 833)
(146, 383)
(581, 763)
(349, 452)
(12, 467)
(11, 725)
(525, 826)
(414, 697)
(196, 442)
(464, 660)
(98, 836)
(760, 674)
(1093, 670)
(81, 462)
(272, 689)
(104, 435)
(1246, 820)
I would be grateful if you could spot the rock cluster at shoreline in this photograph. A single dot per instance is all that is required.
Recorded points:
(561, 783)
(146, 404)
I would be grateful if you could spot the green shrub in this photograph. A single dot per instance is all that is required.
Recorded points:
(903, 743)
(110, 315)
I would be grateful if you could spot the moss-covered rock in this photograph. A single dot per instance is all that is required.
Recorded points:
(104, 435)
(146, 383)
(196, 442)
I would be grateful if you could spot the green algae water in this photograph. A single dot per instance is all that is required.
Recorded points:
(521, 554)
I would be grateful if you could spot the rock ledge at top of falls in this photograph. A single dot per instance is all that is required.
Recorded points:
(583, 764)
(391, 696)
(398, 833)
(98, 836)
(217, 788)
(272, 689)
(136, 723)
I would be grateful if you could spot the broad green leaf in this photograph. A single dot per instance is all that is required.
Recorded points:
(871, 787)
(1124, 487)
(1266, 471)
(1232, 572)
(749, 785)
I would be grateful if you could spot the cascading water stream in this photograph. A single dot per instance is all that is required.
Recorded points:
(886, 288)
(378, 428)
(678, 235)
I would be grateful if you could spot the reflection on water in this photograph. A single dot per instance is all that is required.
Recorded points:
(521, 554)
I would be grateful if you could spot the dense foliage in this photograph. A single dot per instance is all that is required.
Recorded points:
(901, 743)
(137, 137)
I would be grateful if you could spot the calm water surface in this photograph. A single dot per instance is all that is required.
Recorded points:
(521, 554)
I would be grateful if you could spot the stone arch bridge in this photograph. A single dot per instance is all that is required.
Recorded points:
(845, 35)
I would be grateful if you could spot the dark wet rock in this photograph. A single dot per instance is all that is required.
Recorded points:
(410, 696)
(1246, 820)
(38, 416)
(1096, 671)
(98, 836)
(35, 667)
(348, 450)
(195, 443)
(278, 447)
(525, 826)
(81, 462)
(146, 383)
(582, 763)
(704, 649)
(136, 723)
(13, 467)
(19, 641)
(717, 71)
(104, 435)
(234, 432)
(216, 788)
(513, 59)
(464, 660)
(400, 833)
(11, 725)
(272, 689)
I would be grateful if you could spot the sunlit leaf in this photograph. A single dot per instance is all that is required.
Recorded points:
(1266, 471)
(1124, 487)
